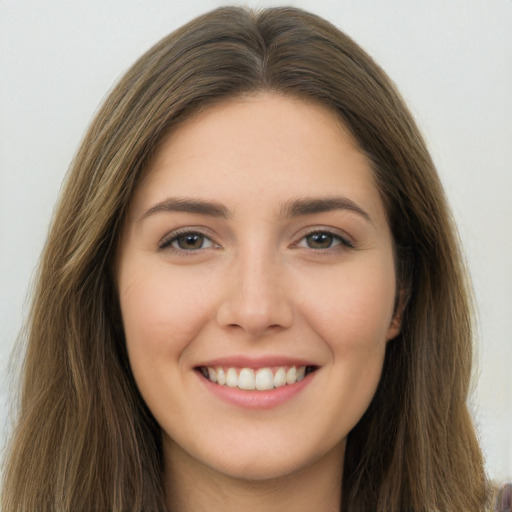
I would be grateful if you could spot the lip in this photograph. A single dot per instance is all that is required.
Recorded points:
(242, 361)
(256, 399)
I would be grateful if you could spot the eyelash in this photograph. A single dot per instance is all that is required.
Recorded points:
(173, 237)
(342, 242)
(169, 240)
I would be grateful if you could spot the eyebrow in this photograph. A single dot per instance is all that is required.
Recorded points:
(290, 209)
(309, 206)
(178, 204)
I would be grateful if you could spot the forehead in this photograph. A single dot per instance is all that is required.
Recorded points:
(265, 146)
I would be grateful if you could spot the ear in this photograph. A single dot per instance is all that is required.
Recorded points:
(396, 322)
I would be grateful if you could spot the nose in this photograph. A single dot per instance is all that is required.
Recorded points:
(256, 298)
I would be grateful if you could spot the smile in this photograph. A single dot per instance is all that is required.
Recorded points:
(262, 379)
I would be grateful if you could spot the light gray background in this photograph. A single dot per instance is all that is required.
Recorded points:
(452, 61)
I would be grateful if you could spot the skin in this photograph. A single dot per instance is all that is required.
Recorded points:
(256, 283)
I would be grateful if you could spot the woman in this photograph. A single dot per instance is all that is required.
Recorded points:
(252, 294)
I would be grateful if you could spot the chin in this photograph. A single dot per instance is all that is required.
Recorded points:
(259, 469)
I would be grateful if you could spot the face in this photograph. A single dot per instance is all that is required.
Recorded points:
(257, 287)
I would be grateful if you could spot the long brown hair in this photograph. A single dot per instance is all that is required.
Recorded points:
(85, 439)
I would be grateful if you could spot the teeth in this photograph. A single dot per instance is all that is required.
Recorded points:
(232, 378)
(264, 379)
(291, 375)
(280, 378)
(221, 376)
(212, 375)
(248, 379)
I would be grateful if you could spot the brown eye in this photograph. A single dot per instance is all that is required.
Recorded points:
(323, 240)
(189, 242)
(320, 240)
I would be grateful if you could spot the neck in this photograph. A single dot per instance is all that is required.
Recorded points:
(194, 487)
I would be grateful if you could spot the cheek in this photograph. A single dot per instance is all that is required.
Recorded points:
(160, 315)
(353, 320)
(353, 310)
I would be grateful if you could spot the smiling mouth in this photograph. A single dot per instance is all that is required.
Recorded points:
(262, 379)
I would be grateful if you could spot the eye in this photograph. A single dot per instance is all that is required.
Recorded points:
(187, 241)
(323, 240)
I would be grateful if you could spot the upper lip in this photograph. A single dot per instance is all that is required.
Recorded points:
(244, 361)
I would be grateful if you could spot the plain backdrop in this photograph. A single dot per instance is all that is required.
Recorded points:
(452, 61)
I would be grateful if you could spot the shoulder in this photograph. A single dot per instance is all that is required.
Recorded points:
(502, 501)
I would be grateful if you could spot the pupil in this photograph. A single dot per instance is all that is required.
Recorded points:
(320, 240)
(190, 241)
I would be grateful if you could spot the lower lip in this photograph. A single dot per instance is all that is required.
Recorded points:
(257, 399)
